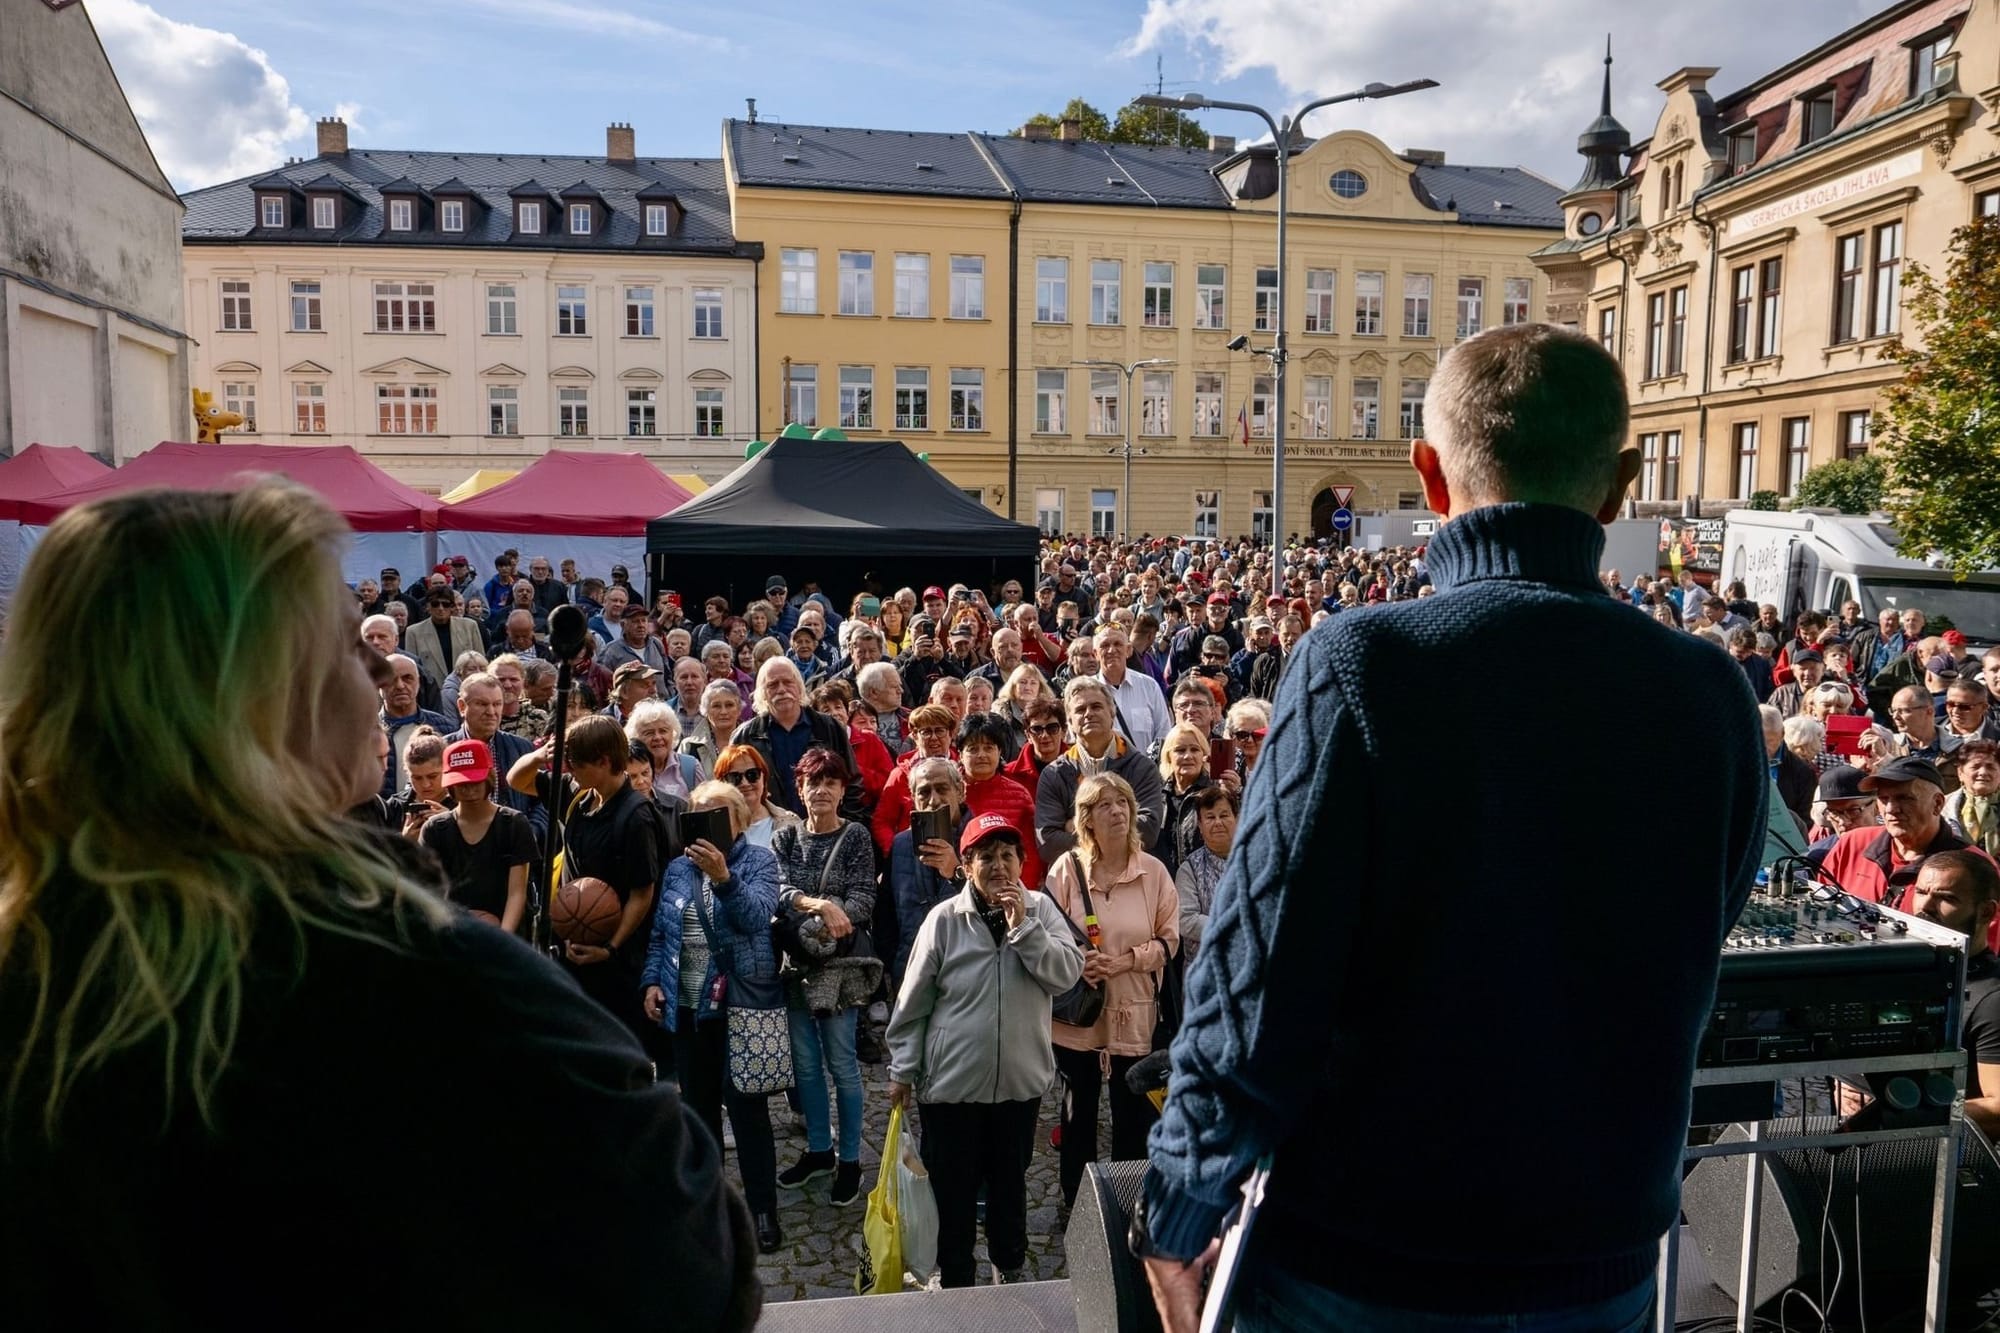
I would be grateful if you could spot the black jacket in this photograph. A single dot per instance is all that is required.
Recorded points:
(1798, 784)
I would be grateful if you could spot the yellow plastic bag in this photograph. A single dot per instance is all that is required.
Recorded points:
(881, 1270)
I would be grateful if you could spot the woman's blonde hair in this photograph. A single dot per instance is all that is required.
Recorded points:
(1092, 792)
(1179, 731)
(717, 790)
(160, 813)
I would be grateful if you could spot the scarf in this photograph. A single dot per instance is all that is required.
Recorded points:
(1087, 767)
(1982, 830)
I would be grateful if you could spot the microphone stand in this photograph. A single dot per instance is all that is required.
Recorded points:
(567, 622)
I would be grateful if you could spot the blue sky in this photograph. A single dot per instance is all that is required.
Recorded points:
(229, 87)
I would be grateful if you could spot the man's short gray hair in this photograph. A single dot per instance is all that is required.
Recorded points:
(876, 674)
(940, 767)
(1528, 412)
(1086, 685)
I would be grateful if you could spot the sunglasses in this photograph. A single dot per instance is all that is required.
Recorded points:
(1243, 735)
(1045, 729)
(742, 777)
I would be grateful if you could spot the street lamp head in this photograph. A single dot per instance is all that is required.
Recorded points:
(1380, 90)
(1238, 343)
(1183, 102)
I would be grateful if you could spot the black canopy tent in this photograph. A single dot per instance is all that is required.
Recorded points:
(851, 515)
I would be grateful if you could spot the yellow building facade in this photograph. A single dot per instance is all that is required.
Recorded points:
(954, 291)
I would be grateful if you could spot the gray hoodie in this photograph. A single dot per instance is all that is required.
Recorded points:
(972, 1021)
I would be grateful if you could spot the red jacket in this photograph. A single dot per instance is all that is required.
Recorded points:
(893, 806)
(1863, 861)
(1026, 771)
(1002, 795)
(871, 756)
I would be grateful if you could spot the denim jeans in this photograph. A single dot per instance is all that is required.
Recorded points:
(1274, 1301)
(823, 1046)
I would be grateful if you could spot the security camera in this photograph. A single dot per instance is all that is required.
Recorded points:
(1239, 342)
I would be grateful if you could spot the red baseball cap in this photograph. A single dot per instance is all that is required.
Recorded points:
(982, 827)
(1219, 599)
(1954, 638)
(467, 761)
(934, 591)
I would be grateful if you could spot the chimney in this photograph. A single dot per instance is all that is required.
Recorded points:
(332, 136)
(1071, 130)
(1221, 143)
(752, 103)
(1424, 157)
(1032, 130)
(618, 143)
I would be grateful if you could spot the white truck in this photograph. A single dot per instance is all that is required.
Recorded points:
(1819, 558)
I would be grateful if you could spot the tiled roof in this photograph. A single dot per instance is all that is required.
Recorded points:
(229, 211)
(1494, 196)
(815, 157)
(1059, 171)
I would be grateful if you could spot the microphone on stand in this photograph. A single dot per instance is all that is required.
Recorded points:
(568, 631)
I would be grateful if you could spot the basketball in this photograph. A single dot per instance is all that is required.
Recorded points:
(487, 917)
(586, 911)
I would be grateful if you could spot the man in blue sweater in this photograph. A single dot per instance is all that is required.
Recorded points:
(1533, 991)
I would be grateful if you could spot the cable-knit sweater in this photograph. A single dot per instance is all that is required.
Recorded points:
(1436, 982)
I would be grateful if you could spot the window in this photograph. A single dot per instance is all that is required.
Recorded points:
(913, 286)
(1745, 437)
(1854, 433)
(658, 220)
(1260, 406)
(1106, 280)
(707, 413)
(573, 311)
(309, 409)
(1770, 284)
(857, 397)
(1051, 291)
(802, 397)
(271, 210)
(1885, 301)
(1103, 513)
(1471, 306)
(1670, 465)
(708, 312)
(1850, 306)
(1261, 518)
(1924, 55)
(968, 287)
(241, 396)
(1649, 467)
(1208, 405)
(1409, 500)
(1348, 184)
(451, 215)
(1207, 513)
(857, 282)
(1517, 293)
(1798, 449)
(1368, 303)
(1677, 331)
(1366, 419)
(913, 398)
(406, 409)
(798, 282)
(531, 218)
(1051, 402)
(1987, 205)
(406, 307)
(1742, 310)
(573, 411)
(1316, 417)
(1209, 303)
(1416, 305)
(638, 312)
(1156, 402)
(968, 399)
(579, 219)
(1815, 116)
(305, 307)
(236, 305)
(1157, 296)
(401, 214)
(1049, 512)
(1410, 411)
(1319, 300)
(1264, 301)
(1742, 150)
(503, 409)
(642, 412)
(326, 212)
(1656, 335)
(1607, 329)
(500, 309)
(1105, 418)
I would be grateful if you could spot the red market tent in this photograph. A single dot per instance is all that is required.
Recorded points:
(38, 470)
(591, 508)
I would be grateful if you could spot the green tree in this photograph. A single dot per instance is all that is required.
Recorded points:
(1850, 485)
(1939, 428)
(1094, 123)
(1160, 126)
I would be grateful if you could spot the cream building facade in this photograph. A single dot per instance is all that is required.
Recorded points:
(1744, 262)
(446, 312)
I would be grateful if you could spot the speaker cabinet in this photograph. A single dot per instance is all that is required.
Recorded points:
(1109, 1285)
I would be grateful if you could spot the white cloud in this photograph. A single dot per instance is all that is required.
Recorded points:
(585, 16)
(211, 104)
(1520, 77)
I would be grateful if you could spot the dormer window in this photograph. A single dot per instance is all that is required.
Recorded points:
(326, 212)
(271, 210)
(579, 219)
(531, 218)
(1742, 150)
(451, 215)
(1925, 53)
(1815, 116)
(402, 214)
(656, 219)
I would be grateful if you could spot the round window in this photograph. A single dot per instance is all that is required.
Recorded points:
(1348, 184)
(1590, 224)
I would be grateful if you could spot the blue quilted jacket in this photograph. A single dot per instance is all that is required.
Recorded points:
(741, 946)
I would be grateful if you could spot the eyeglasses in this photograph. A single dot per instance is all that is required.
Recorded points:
(1243, 736)
(1955, 705)
(742, 777)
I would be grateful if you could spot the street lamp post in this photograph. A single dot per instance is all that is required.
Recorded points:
(1281, 136)
(1128, 370)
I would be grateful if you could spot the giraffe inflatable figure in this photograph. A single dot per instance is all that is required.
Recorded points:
(209, 420)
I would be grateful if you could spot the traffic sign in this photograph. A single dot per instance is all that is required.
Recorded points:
(1343, 519)
(1423, 527)
(1342, 496)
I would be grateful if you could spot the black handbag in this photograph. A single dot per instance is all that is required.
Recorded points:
(1082, 1004)
(802, 938)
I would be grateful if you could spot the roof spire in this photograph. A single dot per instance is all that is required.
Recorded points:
(1605, 143)
(1604, 108)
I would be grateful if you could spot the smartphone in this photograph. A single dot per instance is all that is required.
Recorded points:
(871, 606)
(711, 826)
(928, 824)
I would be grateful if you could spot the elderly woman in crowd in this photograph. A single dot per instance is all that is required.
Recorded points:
(1184, 775)
(744, 768)
(721, 711)
(1245, 725)
(718, 658)
(1124, 899)
(712, 923)
(1024, 687)
(828, 871)
(1214, 814)
(969, 1044)
(654, 724)
(979, 694)
(895, 624)
(1048, 737)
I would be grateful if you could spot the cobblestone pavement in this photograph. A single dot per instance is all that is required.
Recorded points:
(822, 1244)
